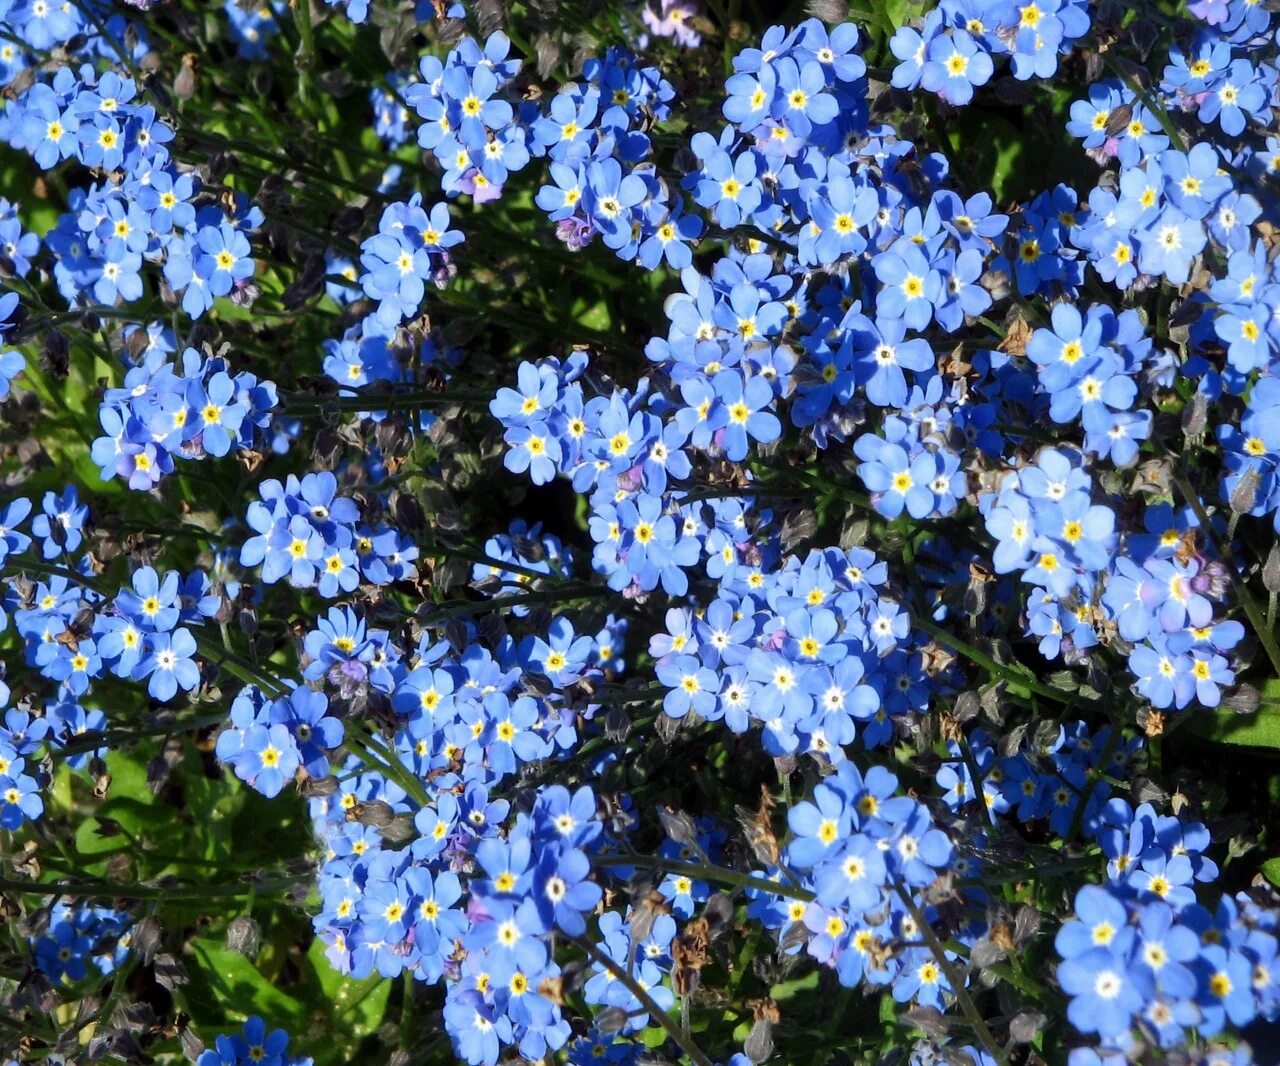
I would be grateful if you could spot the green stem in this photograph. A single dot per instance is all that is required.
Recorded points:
(480, 559)
(390, 765)
(304, 58)
(107, 890)
(1162, 116)
(705, 872)
(1021, 684)
(304, 403)
(1091, 782)
(995, 327)
(236, 666)
(109, 738)
(636, 989)
(563, 594)
(1265, 634)
(954, 978)
(1068, 866)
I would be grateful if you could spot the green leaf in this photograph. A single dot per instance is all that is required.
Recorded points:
(788, 989)
(214, 804)
(226, 987)
(1258, 730)
(653, 1035)
(894, 13)
(987, 149)
(349, 1010)
(130, 802)
(596, 317)
(1271, 871)
(889, 1009)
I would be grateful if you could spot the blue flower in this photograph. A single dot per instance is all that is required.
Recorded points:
(801, 100)
(304, 712)
(1104, 992)
(51, 131)
(895, 479)
(268, 758)
(562, 656)
(478, 1034)
(746, 416)
(1101, 921)
(838, 217)
(955, 64)
(1164, 677)
(1240, 93)
(19, 796)
(692, 687)
(11, 365)
(225, 257)
(750, 97)
(1193, 181)
(611, 200)
(562, 890)
(152, 604)
(216, 416)
(169, 664)
(60, 523)
(881, 354)
(255, 1046)
(1169, 245)
(533, 448)
(910, 286)
(725, 183)
(911, 47)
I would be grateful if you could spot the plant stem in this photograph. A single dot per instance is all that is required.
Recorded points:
(304, 59)
(636, 989)
(389, 763)
(705, 872)
(1265, 634)
(107, 890)
(1016, 681)
(954, 978)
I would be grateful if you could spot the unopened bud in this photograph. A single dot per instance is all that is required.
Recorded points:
(1244, 496)
(244, 936)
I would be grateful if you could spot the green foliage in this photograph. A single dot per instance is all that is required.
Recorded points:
(1258, 729)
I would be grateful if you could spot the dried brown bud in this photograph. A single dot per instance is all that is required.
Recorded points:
(184, 85)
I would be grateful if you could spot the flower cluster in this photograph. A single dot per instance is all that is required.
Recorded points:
(954, 50)
(423, 10)
(814, 654)
(895, 449)
(146, 214)
(411, 248)
(867, 853)
(468, 122)
(254, 1046)
(191, 410)
(1155, 959)
(40, 27)
(1055, 780)
(267, 742)
(79, 937)
(20, 739)
(481, 133)
(308, 534)
(473, 900)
